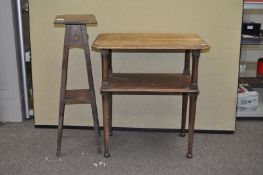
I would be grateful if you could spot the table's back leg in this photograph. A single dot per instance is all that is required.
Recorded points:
(186, 71)
(184, 113)
(110, 115)
(193, 99)
(110, 100)
(106, 100)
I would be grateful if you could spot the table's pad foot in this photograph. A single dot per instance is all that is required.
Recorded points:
(106, 155)
(182, 134)
(189, 155)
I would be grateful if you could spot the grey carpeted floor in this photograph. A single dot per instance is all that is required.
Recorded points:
(25, 150)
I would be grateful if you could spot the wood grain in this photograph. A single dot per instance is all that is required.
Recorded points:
(170, 41)
(148, 82)
(75, 19)
(79, 96)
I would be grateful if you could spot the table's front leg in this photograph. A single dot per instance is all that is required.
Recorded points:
(106, 99)
(110, 96)
(193, 99)
(106, 123)
(110, 114)
(192, 111)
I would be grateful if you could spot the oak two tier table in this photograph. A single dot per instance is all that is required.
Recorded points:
(184, 83)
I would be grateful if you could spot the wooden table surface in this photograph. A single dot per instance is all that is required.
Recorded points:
(141, 41)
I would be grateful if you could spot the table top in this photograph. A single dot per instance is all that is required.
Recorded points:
(75, 19)
(155, 41)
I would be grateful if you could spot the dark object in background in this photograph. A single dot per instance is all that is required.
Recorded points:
(260, 67)
(252, 29)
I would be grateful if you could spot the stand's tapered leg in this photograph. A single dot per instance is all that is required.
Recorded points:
(63, 88)
(96, 122)
(91, 86)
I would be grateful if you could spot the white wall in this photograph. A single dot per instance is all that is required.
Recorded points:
(217, 21)
(10, 101)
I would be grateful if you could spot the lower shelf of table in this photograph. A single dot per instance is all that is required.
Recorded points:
(148, 83)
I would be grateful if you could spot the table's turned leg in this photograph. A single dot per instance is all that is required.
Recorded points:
(110, 74)
(186, 71)
(106, 123)
(193, 99)
(192, 109)
(110, 114)
(106, 99)
(184, 112)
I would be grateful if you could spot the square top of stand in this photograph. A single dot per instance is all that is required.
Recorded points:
(75, 19)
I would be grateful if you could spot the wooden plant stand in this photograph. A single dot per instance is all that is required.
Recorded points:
(76, 37)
